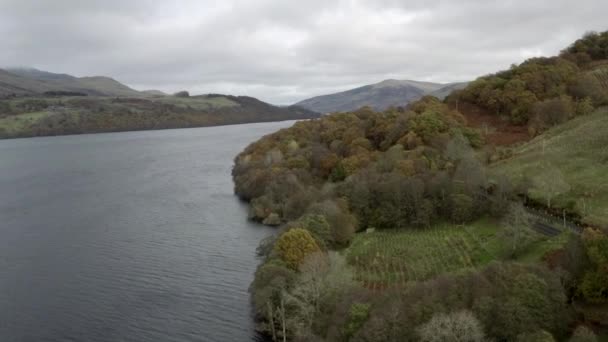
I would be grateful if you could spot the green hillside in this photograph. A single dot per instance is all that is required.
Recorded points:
(568, 162)
(33, 82)
(40, 116)
(105, 86)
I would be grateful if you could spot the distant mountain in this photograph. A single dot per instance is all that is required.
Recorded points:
(378, 96)
(443, 92)
(36, 74)
(30, 81)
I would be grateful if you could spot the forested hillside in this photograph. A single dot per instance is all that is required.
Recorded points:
(400, 150)
(59, 115)
(545, 91)
(400, 226)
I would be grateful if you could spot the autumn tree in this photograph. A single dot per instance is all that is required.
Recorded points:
(295, 245)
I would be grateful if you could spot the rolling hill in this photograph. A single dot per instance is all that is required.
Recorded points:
(31, 82)
(379, 96)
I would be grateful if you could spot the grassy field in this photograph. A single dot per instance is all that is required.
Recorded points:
(198, 102)
(570, 163)
(392, 258)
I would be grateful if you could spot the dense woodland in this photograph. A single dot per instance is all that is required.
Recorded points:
(544, 91)
(329, 181)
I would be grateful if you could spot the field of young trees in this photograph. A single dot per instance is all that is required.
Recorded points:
(396, 258)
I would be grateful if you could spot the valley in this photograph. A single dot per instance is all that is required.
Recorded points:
(40, 103)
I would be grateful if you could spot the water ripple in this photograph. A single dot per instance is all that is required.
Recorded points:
(126, 237)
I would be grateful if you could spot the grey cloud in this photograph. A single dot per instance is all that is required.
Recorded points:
(284, 51)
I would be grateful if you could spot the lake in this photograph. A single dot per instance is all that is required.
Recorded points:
(132, 236)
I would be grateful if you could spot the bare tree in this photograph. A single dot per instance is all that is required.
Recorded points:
(583, 334)
(320, 275)
(517, 228)
(551, 183)
(459, 326)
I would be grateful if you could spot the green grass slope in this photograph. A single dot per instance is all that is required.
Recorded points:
(104, 86)
(569, 163)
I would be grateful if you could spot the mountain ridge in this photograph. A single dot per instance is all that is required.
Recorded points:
(379, 96)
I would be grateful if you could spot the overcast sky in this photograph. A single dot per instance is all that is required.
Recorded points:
(282, 51)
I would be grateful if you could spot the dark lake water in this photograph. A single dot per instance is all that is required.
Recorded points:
(131, 236)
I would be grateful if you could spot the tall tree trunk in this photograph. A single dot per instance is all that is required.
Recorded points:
(283, 323)
(272, 327)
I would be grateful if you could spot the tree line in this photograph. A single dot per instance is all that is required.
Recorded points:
(543, 91)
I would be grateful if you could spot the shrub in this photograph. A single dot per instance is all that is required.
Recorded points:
(357, 316)
(553, 112)
(338, 173)
(343, 224)
(5, 108)
(318, 226)
(583, 334)
(462, 208)
(595, 286)
(583, 107)
(587, 86)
